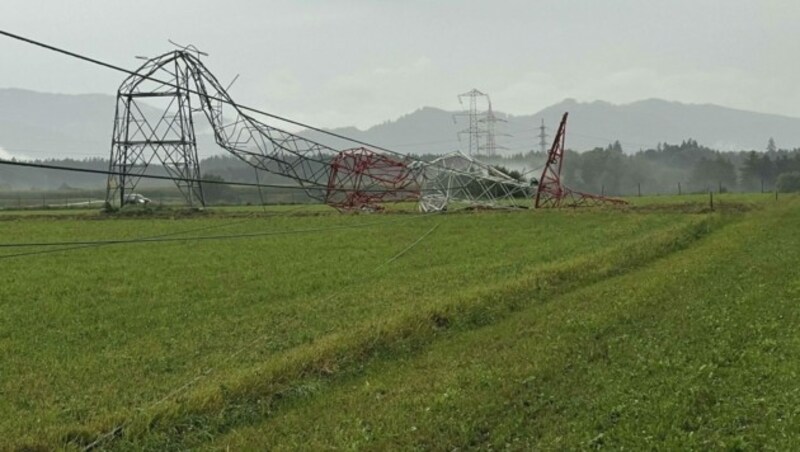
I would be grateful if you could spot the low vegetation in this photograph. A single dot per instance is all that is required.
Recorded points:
(480, 329)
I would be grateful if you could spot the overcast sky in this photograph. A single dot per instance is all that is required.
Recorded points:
(337, 63)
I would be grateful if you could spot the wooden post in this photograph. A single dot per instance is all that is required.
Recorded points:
(762, 185)
(640, 189)
(679, 188)
(711, 199)
(602, 190)
(720, 186)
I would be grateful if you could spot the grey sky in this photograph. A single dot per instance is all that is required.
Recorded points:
(336, 63)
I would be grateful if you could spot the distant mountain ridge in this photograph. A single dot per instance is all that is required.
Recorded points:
(638, 125)
(43, 125)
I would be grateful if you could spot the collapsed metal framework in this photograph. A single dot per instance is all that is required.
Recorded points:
(552, 193)
(361, 178)
(457, 176)
(178, 84)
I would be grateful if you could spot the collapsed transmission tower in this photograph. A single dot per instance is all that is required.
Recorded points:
(459, 177)
(552, 192)
(142, 134)
(178, 84)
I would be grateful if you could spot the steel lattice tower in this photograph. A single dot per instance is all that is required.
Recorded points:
(474, 131)
(154, 122)
(542, 137)
(490, 120)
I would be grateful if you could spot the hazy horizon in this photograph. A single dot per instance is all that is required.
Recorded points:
(358, 63)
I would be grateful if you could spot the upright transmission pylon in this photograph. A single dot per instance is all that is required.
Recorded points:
(475, 131)
(551, 192)
(490, 120)
(542, 137)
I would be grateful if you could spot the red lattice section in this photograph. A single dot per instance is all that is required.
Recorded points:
(552, 193)
(362, 179)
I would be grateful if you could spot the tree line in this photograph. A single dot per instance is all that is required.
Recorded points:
(687, 167)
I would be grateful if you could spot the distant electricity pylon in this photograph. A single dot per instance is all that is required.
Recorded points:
(542, 137)
(481, 131)
(474, 131)
(489, 120)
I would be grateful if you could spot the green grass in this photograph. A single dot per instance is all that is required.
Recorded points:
(272, 329)
(693, 351)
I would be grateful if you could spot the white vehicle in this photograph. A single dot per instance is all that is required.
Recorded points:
(136, 198)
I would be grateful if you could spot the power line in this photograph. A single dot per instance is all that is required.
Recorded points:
(185, 231)
(188, 239)
(206, 95)
(209, 370)
(72, 248)
(230, 102)
(184, 179)
(151, 176)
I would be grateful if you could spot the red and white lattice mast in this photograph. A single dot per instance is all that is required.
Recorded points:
(552, 192)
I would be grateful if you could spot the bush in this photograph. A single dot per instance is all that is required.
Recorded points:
(789, 182)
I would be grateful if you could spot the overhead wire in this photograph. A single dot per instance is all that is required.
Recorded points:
(192, 91)
(185, 231)
(242, 106)
(205, 95)
(152, 176)
(117, 429)
(89, 245)
(192, 180)
(192, 238)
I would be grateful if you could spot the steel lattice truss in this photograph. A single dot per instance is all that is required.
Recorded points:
(178, 84)
(361, 178)
(459, 177)
(551, 192)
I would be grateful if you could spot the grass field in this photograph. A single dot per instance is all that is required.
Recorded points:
(664, 324)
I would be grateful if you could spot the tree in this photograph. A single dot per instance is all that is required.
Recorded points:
(767, 171)
(771, 145)
(719, 174)
(218, 193)
(751, 172)
(789, 182)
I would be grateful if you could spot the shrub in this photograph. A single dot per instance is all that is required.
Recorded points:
(789, 182)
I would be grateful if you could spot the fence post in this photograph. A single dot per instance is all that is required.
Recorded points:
(679, 188)
(711, 199)
(640, 189)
